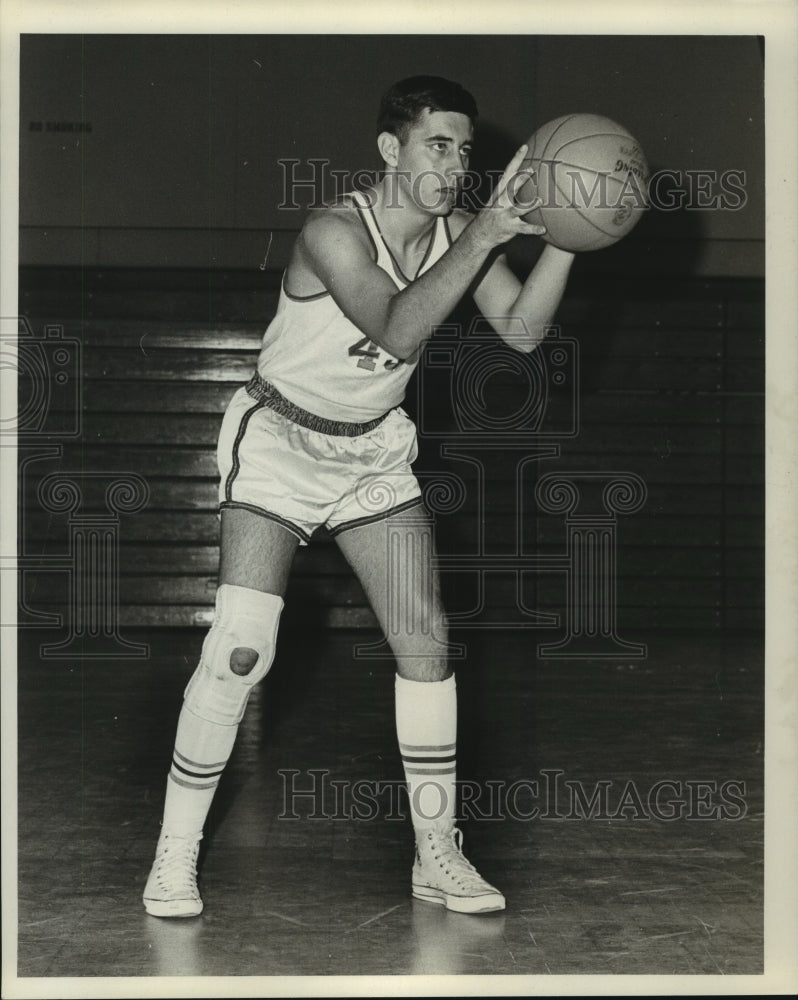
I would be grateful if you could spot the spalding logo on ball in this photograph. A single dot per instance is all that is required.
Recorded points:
(592, 177)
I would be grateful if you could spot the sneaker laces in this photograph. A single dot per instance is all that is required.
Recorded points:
(447, 850)
(176, 864)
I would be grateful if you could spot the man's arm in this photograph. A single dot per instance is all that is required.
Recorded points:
(400, 321)
(521, 312)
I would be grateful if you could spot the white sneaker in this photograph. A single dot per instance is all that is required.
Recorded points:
(442, 875)
(171, 889)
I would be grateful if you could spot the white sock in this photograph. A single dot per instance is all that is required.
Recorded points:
(426, 727)
(202, 750)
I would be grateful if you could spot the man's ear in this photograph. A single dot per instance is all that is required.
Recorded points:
(388, 145)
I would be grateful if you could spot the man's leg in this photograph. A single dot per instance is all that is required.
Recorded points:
(394, 560)
(256, 556)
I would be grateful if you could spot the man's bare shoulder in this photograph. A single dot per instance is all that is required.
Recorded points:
(324, 222)
(338, 222)
(333, 233)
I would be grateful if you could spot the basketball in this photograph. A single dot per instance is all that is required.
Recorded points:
(592, 177)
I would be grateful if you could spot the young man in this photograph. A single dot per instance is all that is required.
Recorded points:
(317, 438)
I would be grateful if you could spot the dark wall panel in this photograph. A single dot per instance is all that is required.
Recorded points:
(669, 390)
(182, 165)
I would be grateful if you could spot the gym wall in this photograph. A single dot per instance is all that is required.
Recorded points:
(152, 240)
(182, 166)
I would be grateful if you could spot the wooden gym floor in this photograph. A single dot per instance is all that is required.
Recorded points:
(620, 892)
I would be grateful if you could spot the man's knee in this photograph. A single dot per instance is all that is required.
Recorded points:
(237, 653)
(242, 660)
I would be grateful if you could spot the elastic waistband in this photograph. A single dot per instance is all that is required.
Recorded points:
(266, 393)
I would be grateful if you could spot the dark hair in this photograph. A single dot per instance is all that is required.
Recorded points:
(405, 102)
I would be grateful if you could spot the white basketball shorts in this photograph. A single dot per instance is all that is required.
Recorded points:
(304, 478)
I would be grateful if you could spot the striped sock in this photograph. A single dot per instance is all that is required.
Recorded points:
(201, 752)
(426, 727)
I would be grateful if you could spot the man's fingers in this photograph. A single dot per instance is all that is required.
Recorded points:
(531, 230)
(512, 168)
(528, 206)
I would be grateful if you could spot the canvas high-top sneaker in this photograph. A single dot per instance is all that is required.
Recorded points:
(441, 874)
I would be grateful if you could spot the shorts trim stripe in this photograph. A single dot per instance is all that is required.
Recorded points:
(293, 528)
(373, 518)
(242, 429)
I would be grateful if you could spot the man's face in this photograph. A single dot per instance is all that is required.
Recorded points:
(433, 158)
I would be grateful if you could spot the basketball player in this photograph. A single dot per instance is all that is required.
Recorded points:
(317, 437)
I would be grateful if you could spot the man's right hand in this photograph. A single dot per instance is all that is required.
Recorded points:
(503, 217)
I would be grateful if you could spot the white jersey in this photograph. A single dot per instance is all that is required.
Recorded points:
(322, 362)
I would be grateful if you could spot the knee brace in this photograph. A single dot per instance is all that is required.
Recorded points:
(244, 619)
